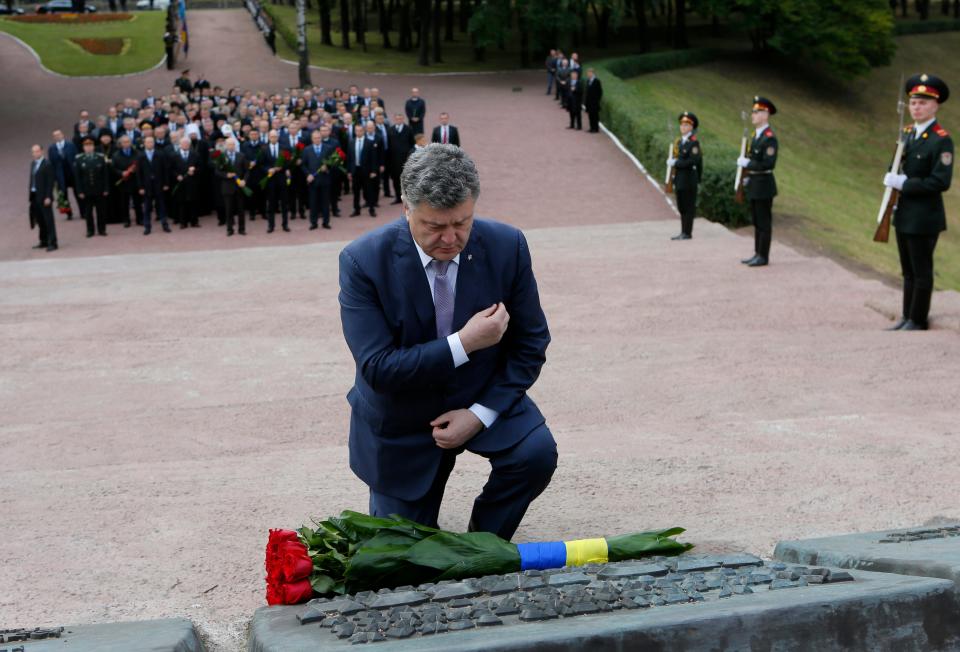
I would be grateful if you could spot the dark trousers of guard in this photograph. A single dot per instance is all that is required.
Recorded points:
(319, 195)
(129, 195)
(233, 207)
(916, 263)
(276, 195)
(762, 210)
(43, 216)
(687, 205)
(593, 116)
(576, 116)
(100, 205)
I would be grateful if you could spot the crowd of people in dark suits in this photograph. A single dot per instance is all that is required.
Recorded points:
(574, 89)
(202, 150)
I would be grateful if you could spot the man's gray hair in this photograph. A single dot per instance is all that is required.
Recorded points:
(441, 175)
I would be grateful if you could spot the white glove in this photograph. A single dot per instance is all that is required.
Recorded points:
(671, 162)
(894, 181)
(743, 162)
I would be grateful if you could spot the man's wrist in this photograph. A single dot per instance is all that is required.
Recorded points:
(457, 349)
(486, 415)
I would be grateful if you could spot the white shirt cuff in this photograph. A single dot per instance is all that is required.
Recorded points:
(456, 348)
(485, 414)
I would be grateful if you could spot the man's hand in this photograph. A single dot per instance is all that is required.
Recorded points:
(231, 175)
(485, 328)
(47, 202)
(142, 191)
(373, 175)
(80, 195)
(241, 183)
(309, 178)
(455, 428)
(323, 168)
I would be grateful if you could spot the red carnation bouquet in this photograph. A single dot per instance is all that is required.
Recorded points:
(288, 569)
(336, 160)
(63, 204)
(281, 163)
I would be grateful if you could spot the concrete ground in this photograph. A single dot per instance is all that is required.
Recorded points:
(166, 401)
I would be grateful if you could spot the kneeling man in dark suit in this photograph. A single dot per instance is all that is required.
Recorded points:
(442, 315)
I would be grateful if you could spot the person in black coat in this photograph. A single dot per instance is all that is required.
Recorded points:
(41, 199)
(445, 132)
(575, 100)
(362, 165)
(398, 150)
(592, 96)
(251, 148)
(184, 172)
(61, 154)
(125, 166)
(275, 163)
(230, 169)
(416, 110)
(152, 180)
(317, 175)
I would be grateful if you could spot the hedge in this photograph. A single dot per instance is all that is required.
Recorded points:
(281, 27)
(926, 27)
(639, 124)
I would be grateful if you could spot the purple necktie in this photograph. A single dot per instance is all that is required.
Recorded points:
(442, 297)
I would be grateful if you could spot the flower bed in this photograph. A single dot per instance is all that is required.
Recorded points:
(71, 18)
(100, 45)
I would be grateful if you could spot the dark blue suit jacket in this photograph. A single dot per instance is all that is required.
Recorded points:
(405, 375)
(63, 165)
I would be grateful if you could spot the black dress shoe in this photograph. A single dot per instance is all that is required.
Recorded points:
(195, 226)
(354, 213)
(52, 248)
(183, 226)
(229, 233)
(166, 228)
(90, 235)
(910, 325)
(326, 226)
(270, 229)
(42, 245)
(126, 225)
(759, 261)
(681, 236)
(69, 216)
(146, 232)
(336, 213)
(373, 212)
(103, 233)
(747, 261)
(899, 325)
(287, 229)
(313, 227)
(242, 232)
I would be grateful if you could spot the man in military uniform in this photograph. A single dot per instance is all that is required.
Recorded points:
(687, 164)
(93, 186)
(759, 184)
(919, 218)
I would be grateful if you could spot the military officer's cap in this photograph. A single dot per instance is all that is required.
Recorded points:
(929, 86)
(763, 104)
(686, 116)
(146, 123)
(88, 139)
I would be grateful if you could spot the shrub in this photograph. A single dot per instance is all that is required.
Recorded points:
(639, 124)
(73, 19)
(925, 27)
(281, 27)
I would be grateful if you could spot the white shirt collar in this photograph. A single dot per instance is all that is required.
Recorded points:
(920, 128)
(425, 259)
(762, 129)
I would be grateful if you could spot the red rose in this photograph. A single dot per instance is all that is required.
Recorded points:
(215, 154)
(341, 153)
(300, 147)
(274, 557)
(295, 562)
(294, 593)
(286, 155)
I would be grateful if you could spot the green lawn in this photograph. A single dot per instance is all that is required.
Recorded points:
(457, 55)
(50, 41)
(835, 142)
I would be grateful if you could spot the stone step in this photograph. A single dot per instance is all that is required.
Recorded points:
(167, 635)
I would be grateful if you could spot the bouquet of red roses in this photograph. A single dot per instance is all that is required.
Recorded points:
(63, 204)
(223, 164)
(355, 552)
(281, 163)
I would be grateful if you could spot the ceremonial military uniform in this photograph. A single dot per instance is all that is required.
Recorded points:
(93, 182)
(760, 185)
(919, 216)
(688, 169)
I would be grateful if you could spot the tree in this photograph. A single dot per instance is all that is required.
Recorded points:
(640, 13)
(448, 28)
(360, 23)
(437, 44)
(323, 6)
(304, 67)
(385, 10)
(423, 15)
(405, 36)
(345, 24)
(680, 25)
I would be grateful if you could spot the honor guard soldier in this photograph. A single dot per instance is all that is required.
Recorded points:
(919, 216)
(687, 164)
(760, 186)
(93, 186)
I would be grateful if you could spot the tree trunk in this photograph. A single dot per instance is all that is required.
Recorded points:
(680, 35)
(945, 7)
(406, 31)
(386, 20)
(345, 24)
(437, 18)
(956, 8)
(423, 14)
(603, 24)
(358, 24)
(923, 8)
(670, 22)
(524, 45)
(324, 7)
(451, 19)
(304, 63)
(465, 10)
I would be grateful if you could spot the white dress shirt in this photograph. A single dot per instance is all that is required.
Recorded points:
(485, 414)
(918, 129)
(760, 130)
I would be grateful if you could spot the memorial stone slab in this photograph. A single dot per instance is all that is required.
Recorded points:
(922, 551)
(168, 635)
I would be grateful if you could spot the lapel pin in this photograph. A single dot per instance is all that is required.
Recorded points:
(469, 256)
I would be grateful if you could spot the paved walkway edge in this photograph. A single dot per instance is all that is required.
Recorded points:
(876, 612)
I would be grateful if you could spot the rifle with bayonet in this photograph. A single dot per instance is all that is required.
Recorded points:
(672, 153)
(738, 182)
(892, 195)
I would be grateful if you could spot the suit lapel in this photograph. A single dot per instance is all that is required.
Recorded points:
(468, 274)
(414, 279)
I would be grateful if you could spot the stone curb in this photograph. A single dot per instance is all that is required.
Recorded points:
(167, 635)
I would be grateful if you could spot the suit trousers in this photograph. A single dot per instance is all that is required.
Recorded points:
(319, 197)
(916, 264)
(43, 216)
(762, 211)
(385, 177)
(276, 196)
(100, 204)
(517, 476)
(233, 206)
(154, 200)
(576, 115)
(186, 212)
(593, 116)
(128, 194)
(687, 205)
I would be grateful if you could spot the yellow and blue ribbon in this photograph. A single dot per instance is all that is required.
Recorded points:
(557, 554)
